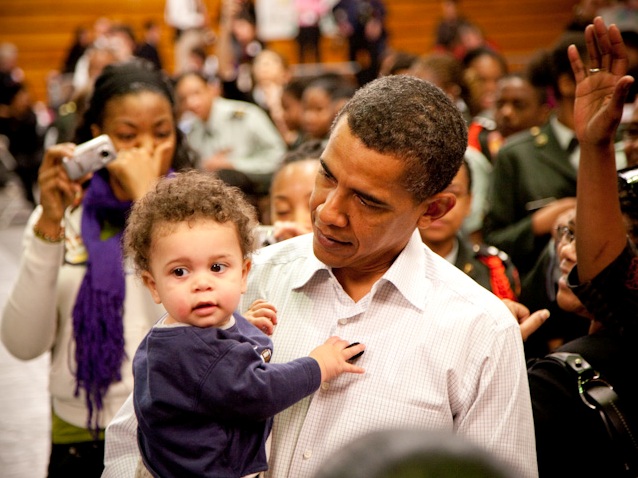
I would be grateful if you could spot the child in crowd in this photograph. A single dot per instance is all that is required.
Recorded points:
(322, 99)
(205, 392)
(487, 265)
(291, 188)
(292, 111)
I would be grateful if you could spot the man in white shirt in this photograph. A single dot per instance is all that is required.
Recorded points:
(441, 351)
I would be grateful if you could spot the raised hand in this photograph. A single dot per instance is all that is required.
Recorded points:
(602, 87)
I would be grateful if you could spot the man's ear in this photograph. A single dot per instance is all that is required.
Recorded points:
(436, 207)
(149, 282)
(244, 274)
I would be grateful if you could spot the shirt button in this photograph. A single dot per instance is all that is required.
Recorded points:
(307, 454)
(343, 321)
(325, 386)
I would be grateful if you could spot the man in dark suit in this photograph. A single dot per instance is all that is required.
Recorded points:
(534, 177)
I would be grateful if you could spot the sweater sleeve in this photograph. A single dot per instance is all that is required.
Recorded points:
(29, 319)
(241, 385)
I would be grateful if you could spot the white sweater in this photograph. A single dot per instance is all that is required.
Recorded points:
(38, 318)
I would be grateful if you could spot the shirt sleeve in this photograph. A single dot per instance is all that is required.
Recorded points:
(121, 452)
(500, 416)
(241, 385)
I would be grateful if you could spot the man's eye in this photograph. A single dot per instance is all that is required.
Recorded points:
(367, 203)
(218, 267)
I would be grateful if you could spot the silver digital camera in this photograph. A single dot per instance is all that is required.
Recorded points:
(89, 157)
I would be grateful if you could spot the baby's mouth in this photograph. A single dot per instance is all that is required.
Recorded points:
(204, 306)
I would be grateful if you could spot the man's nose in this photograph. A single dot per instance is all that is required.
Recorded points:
(333, 211)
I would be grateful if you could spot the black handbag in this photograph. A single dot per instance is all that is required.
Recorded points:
(598, 394)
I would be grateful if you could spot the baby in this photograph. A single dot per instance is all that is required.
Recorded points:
(205, 392)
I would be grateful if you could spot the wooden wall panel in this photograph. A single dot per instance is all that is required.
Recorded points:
(42, 29)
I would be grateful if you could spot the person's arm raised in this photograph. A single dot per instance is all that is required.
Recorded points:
(600, 94)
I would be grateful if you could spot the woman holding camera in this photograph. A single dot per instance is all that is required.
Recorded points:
(88, 311)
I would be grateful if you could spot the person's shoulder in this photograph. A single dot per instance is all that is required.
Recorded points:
(454, 279)
(237, 109)
(535, 137)
(473, 303)
(485, 251)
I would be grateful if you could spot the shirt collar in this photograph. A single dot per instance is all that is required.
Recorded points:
(406, 273)
(409, 270)
(563, 134)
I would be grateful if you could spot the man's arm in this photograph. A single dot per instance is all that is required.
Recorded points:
(600, 95)
(121, 453)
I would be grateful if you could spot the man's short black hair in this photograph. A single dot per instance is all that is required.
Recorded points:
(412, 120)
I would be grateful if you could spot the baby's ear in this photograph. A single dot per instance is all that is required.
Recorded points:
(244, 274)
(149, 282)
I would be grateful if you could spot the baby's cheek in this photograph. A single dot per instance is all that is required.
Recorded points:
(182, 309)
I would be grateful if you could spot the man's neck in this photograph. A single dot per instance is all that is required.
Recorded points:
(356, 283)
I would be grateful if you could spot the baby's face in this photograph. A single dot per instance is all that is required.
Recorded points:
(197, 271)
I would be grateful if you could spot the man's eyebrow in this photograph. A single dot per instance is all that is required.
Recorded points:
(325, 167)
(367, 197)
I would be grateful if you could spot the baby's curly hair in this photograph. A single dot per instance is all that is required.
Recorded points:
(187, 196)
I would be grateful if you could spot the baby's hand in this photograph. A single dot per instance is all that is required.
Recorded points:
(263, 315)
(333, 358)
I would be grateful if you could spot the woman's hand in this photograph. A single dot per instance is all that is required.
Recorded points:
(263, 315)
(135, 171)
(57, 191)
(601, 89)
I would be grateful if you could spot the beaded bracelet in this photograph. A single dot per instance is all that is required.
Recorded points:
(45, 237)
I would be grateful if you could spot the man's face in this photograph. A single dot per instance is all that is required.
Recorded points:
(517, 107)
(194, 95)
(362, 215)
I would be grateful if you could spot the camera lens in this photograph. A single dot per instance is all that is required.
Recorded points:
(104, 153)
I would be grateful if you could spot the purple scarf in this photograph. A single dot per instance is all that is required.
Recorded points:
(98, 327)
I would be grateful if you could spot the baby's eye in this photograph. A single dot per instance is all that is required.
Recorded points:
(218, 267)
(179, 272)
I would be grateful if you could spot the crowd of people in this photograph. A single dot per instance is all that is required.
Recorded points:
(423, 210)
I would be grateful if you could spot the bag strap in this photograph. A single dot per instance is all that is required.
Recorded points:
(598, 394)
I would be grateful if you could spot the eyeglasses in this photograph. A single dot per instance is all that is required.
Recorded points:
(564, 233)
(630, 133)
(628, 184)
